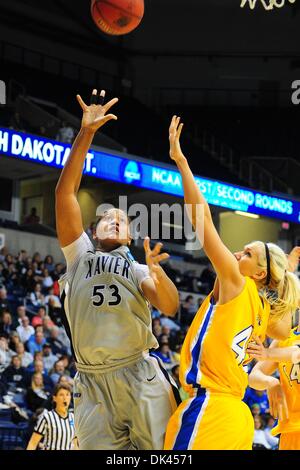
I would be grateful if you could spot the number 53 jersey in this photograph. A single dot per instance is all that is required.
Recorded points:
(105, 313)
(290, 381)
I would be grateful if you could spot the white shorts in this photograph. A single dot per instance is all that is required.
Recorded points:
(127, 408)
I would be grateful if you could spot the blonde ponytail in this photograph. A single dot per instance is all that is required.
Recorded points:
(286, 298)
(283, 291)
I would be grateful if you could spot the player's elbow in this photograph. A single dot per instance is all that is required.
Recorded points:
(171, 309)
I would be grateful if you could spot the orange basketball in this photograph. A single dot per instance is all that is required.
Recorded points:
(117, 16)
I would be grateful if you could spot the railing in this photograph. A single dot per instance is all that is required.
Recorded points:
(247, 169)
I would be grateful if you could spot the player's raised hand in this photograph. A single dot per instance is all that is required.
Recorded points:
(174, 139)
(94, 115)
(294, 258)
(153, 258)
(256, 349)
(277, 400)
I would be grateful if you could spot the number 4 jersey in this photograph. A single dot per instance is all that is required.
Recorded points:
(290, 381)
(105, 312)
(214, 351)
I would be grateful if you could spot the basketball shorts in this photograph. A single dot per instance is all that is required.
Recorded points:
(127, 408)
(210, 421)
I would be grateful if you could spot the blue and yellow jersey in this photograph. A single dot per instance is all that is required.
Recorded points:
(214, 351)
(290, 381)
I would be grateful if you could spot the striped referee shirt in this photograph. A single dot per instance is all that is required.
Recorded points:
(58, 432)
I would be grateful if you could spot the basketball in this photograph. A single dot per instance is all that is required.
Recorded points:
(117, 17)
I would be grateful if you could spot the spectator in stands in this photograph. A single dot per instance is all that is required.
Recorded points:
(37, 271)
(37, 299)
(6, 323)
(52, 300)
(25, 330)
(38, 356)
(156, 327)
(71, 367)
(255, 409)
(49, 359)
(17, 123)
(58, 371)
(169, 323)
(32, 218)
(2, 277)
(4, 304)
(165, 354)
(155, 313)
(3, 253)
(38, 366)
(14, 340)
(9, 259)
(11, 277)
(66, 361)
(37, 258)
(49, 129)
(5, 353)
(176, 352)
(188, 310)
(207, 278)
(28, 280)
(167, 336)
(272, 440)
(49, 264)
(260, 441)
(163, 339)
(25, 357)
(57, 345)
(21, 313)
(66, 380)
(21, 264)
(36, 342)
(58, 271)
(37, 396)
(15, 374)
(47, 326)
(66, 133)
(259, 397)
(39, 317)
(175, 375)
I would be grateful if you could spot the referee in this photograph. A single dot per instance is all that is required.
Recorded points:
(55, 429)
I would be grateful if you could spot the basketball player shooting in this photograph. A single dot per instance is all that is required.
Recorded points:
(123, 398)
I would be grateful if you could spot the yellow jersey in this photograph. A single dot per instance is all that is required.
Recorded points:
(213, 355)
(290, 382)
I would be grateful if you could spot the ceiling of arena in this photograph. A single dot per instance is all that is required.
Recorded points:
(180, 43)
(169, 26)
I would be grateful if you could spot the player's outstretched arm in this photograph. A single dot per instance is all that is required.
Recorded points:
(224, 262)
(68, 215)
(159, 290)
(261, 378)
(260, 353)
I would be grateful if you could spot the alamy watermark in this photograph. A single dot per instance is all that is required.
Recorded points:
(167, 222)
(267, 4)
(2, 92)
(296, 93)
